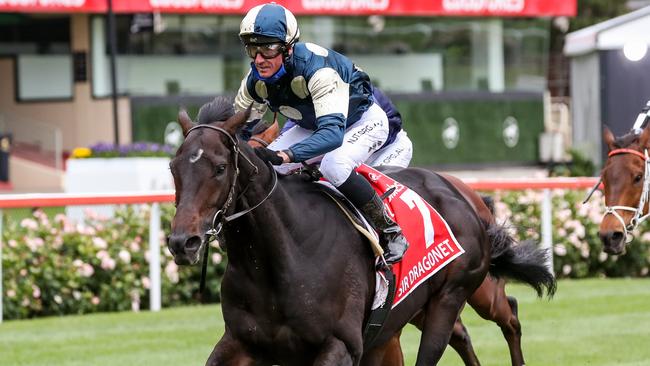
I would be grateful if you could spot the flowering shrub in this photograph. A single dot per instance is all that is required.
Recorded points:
(109, 150)
(577, 250)
(53, 266)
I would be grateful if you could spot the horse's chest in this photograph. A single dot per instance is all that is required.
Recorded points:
(266, 320)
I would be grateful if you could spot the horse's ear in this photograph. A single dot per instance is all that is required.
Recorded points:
(644, 138)
(239, 119)
(608, 137)
(185, 121)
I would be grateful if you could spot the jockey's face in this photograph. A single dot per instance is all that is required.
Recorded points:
(267, 67)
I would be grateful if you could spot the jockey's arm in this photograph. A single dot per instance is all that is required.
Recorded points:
(331, 96)
(243, 99)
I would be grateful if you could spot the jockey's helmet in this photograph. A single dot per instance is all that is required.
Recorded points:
(269, 23)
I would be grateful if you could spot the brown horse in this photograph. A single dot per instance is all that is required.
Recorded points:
(284, 299)
(626, 181)
(489, 300)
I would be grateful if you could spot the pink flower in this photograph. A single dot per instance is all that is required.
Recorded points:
(108, 263)
(171, 270)
(12, 243)
(125, 256)
(559, 250)
(29, 224)
(60, 218)
(36, 292)
(95, 300)
(216, 258)
(34, 243)
(100, 243)
(566, 269)
(86, 270)
(102, 254)
(134, 246)
(146, 283)
(11, 293)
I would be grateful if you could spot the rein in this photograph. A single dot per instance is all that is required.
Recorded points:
(259, 141)
(219, 219)
(638, 217)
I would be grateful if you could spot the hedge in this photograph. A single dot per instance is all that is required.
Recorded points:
(53, 266)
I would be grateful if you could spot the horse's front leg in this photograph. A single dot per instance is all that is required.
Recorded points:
(229, 352)
(335, 353)
(440, 315)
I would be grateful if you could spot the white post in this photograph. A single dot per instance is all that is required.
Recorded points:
(547, 227)
(1, 244)
(154, 258)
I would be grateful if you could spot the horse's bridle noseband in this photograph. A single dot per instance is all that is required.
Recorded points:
(638, 217)
(219, 219)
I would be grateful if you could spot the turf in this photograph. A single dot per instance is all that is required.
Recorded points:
(589, 322)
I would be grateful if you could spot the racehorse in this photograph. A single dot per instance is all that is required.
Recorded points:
(300, 279)
(626, 181)
(489, 300)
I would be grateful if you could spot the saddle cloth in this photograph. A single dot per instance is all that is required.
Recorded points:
(432, 244)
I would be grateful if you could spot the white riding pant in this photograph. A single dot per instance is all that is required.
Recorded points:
(360, 142)
(398, 153)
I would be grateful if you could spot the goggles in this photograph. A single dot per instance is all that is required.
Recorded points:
(267, 50)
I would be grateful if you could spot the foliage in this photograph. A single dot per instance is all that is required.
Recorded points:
(580, 166)
(109, 150)
(577, 250)
(53, 266)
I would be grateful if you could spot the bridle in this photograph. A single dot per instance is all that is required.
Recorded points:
(219, 219)
(638, 217)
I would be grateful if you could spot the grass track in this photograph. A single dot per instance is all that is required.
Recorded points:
(590, 322)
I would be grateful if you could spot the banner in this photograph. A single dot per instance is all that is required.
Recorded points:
(465, 8)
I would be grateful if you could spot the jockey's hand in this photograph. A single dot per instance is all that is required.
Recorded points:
(269, 155)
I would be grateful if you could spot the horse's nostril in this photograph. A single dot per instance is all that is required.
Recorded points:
(193, 243)
(617, 236)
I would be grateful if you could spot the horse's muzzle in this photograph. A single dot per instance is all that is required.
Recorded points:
(184, 248)
(613, 242)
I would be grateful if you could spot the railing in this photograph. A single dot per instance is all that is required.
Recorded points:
(155, 198)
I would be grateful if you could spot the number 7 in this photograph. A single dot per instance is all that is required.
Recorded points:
(413, 200)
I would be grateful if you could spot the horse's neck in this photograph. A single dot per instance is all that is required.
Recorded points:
(259, 238)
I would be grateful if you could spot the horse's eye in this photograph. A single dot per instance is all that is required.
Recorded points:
(219, 169)
(638, 178)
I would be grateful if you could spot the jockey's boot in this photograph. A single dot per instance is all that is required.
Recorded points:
(391, 238)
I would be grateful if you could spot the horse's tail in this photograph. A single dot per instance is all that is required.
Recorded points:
(523, 261)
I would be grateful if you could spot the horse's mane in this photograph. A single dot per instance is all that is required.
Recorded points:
(626, 140)
(219, 109)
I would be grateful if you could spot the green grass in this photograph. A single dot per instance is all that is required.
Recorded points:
(589, 322)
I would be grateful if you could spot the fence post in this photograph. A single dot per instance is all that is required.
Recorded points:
(154, 258)
(547, 227)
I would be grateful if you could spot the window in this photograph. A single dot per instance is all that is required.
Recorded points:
(41, 47)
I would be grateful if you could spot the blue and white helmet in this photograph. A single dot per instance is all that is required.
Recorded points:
(269, 23)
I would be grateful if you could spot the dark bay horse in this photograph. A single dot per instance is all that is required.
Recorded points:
(626, 181)
(489, 300)
(300, 279)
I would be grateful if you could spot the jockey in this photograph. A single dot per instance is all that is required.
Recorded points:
(331, 101)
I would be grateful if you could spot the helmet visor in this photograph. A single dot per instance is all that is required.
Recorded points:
(268, 50)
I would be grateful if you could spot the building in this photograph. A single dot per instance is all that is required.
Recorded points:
(610, 82)
(467, 75)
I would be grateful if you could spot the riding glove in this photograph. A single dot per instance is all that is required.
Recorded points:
(268, 155)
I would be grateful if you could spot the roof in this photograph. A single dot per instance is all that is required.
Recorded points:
(610, 34)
